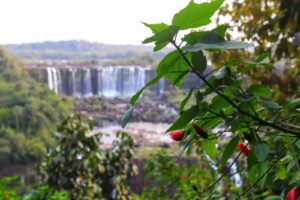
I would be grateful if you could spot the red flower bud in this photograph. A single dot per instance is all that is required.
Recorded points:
(177, 135)
(200, 131)
(292, 194)
(243, 148)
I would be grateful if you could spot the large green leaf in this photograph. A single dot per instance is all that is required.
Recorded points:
(185, 118)
(259, 90)
(218, 45)
(257, 61)
(251, 160)
(281, 172)
(269, 104)
(261, 151)
(257, 171)
(273, 197)
(229, 150)
(195, 37)
(173, 66)
(218, 103)
(199, 61)
(135, 97)
(185, 100)
(166, 35)
(126, 116)
(209, 146)
(195, 15)
(155, 28)
(293, 103)
(170, 60)
(298, 144)
(160, 45)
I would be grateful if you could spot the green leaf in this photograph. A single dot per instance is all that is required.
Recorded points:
(251, 160)
(259, 90)
(135, 97)
(292, 104)
(165, 35)
(298, 144)
(180, 78)
(172, 66)
(185, 100)
(273, 197)
(269, 104)
(160, 45)
(185, 118)
(199, 61)
(155, 28)
(126, 116)
(195, 37)
(169, 61)
(262, 56)
(256, 172)
(218, 45)
(261, 151)
(281, 172)
(221, 73)
(257, 61)
(229, 150)
(195, 15)
(209, 146)
(219, 103)
(186, 144)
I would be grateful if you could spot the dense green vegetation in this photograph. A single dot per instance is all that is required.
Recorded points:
(80, 166)
(29, 113)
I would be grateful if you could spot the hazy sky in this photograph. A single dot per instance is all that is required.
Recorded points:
(107, 21)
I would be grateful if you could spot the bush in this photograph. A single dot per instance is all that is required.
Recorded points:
(79, 166)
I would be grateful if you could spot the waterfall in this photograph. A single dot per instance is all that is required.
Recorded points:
(50, 80)
(87, 83)
(53, 79)
(109, 82)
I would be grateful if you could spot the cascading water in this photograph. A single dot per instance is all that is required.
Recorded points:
(102, 81)
(53, 79)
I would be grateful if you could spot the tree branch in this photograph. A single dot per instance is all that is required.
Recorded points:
(263, 122)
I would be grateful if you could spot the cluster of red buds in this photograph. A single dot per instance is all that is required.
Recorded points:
(177, 135)
(292, 194)
(243, 148)
(200, 131)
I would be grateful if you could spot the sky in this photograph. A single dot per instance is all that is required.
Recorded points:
(105, 21)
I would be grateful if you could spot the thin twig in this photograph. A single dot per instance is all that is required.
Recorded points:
(213, 71)
(220, 178)
(289, 117)
(269, 169)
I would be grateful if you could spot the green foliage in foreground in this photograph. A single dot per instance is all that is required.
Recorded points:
(28, 113)
(230, 108)
(83, 168)
(9, 187)
(173, 178)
